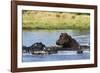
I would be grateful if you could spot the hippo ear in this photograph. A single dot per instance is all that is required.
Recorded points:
(40, 42)
(63, 33)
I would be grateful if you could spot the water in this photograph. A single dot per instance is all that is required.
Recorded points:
(49, 37)
(56, 57)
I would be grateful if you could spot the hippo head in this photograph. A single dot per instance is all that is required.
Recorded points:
(38, 46)
(63, 39)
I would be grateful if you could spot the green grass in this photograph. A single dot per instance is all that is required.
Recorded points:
(55, 20)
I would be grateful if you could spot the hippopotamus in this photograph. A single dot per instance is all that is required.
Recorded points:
(25, 49)
(66, 41)
(37, 46)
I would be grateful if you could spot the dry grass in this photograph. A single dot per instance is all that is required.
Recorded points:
(55, 20)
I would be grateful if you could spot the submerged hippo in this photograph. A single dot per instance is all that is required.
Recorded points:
(25, 49)
(37, 46)
(34, 47)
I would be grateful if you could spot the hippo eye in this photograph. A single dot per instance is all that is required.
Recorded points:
(67, 39)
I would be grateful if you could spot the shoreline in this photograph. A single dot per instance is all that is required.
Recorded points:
(30, 28)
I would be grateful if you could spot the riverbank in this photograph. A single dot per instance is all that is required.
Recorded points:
(55, 20)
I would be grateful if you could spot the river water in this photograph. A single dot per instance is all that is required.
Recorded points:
(49, 37)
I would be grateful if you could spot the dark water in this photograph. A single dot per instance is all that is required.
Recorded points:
(49, 37)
